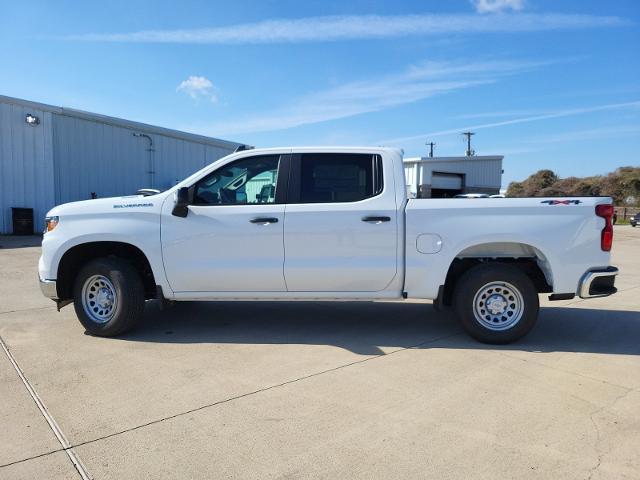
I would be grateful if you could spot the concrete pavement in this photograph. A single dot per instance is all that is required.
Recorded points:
(321, 390)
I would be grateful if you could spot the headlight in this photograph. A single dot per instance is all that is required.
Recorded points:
(50, 223)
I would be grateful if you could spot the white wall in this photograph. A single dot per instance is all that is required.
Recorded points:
(71, 154)
(478, 172)
(109, 160)
(26, 164)
(481, 171)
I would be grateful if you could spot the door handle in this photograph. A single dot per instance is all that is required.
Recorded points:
(264, 220)
(376, 219)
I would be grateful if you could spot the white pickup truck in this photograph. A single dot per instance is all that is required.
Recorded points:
(324, 224)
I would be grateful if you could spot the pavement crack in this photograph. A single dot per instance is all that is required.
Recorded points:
(26, 309)
(70, 447)
(262, 390)
(40, 455)
(568, 372)
(597, 444)
(62, 439)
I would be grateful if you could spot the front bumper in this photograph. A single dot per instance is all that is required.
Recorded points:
(49, 289)
(598, 283)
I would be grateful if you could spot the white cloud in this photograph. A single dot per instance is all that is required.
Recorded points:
(352, 27)
(497, 6)
(539, 143)
(198, 87)
(500, 114)
(617, 131)
(534, 118)
(416, 83)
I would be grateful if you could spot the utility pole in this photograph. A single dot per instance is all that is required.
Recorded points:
(431, 145)
(469, 151)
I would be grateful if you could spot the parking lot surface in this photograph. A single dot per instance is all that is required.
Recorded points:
(318, 390)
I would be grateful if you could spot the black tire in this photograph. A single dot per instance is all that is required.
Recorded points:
(519, 292)
(128, 291)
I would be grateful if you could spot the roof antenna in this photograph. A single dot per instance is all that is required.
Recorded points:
(431, 145)
(469, 152)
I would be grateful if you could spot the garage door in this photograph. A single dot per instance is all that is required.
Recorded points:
(448, 181)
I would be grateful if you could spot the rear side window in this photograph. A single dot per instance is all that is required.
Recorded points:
(335, 177)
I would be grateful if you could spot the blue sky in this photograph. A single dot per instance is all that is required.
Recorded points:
(549, 84)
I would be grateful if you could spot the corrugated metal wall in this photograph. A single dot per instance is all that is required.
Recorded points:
(253, 187)
(109, 160)
(71, 154)
(479, 172)
(26, 164)
(176, 159)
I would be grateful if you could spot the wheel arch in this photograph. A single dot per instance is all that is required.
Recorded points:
(78, 255)
(526, 257)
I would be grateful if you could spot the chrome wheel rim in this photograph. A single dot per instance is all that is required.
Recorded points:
(99, 299)
(498, 306)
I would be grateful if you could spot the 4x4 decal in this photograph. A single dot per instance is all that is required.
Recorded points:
(562, 202)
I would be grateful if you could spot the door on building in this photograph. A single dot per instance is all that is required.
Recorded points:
(446, 185)
(232, 236)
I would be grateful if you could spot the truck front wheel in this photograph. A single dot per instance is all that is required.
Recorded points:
(496, 303)
(108, 296)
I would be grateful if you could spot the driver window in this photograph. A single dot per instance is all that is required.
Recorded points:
(248, 181)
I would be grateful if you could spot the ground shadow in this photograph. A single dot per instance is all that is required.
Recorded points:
(20, 241)
(364, 327)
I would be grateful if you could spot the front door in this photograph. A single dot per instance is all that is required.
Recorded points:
(232, 236)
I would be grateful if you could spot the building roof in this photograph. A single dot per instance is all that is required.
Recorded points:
(453, 159)
(120, 122)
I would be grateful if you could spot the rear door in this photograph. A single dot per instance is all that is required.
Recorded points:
(341, 224)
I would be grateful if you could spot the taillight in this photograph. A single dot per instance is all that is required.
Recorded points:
(606, 237)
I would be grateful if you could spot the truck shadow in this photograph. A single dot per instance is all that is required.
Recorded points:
(10, 242)
(375, 328)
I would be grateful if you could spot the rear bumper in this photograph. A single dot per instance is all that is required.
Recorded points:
(49, 289)
(598, 283)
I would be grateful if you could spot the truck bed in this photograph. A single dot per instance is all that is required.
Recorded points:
(562, 234)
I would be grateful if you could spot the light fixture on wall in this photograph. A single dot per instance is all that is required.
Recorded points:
(32, 120)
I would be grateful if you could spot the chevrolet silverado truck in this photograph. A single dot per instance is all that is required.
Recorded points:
(324, 224)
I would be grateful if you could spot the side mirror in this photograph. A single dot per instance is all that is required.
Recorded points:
(181, 202)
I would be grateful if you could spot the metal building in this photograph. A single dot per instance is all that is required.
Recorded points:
(439, 177)
(52, 155)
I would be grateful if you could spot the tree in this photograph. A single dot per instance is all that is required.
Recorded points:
(515, 189)
(623, 185)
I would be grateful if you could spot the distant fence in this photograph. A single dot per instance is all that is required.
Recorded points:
(625, 212)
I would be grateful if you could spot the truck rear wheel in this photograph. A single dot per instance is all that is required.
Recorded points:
(496, 303)
(108, 296)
